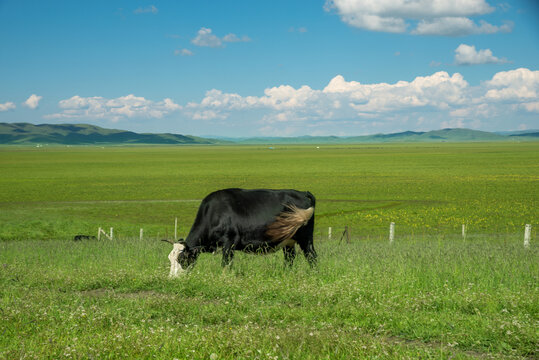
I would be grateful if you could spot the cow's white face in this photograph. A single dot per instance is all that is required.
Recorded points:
(175, 267)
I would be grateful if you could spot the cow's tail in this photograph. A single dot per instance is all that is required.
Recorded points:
(288, 222)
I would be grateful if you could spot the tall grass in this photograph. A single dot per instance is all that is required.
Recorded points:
(418, 297)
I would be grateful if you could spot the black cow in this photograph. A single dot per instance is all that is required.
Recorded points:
(83, 237)
(255, 221)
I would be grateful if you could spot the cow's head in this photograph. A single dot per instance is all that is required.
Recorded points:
(181, 257)
(187, 256)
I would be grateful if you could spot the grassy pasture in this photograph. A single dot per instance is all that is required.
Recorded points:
(54, 193)
(428, 295)
(420, 298)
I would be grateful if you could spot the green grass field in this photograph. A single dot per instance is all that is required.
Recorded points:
(54, 193)
(430, 294)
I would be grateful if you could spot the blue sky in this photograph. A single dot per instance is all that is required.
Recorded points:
(271, 68)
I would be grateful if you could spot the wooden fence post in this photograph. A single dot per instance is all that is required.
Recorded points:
(176, 229)
(141, 233)
(329, 233)
(101, 231)
(347, 233)
(463, 232)
(391, 232)
(527, 235)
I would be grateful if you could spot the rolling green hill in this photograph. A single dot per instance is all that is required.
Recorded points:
(84, 134)
(444, 135)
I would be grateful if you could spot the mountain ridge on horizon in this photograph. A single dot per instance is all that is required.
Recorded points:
(86, 134)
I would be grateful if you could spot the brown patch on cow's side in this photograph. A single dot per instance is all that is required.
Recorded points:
(287, 223)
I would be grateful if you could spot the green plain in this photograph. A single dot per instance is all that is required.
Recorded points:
(55, 193)
(430, 294)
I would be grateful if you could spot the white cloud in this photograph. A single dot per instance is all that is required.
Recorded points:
(438, 100)
(206, 38)
(441, 17)
(235, 38)
(468, 55)
(520, 85)
(7, 106)
(339, 99)
(505, 94)
(457, 26)
(33, 101)
(425, 102)
(207, 115)
(480, 110)
(129, 106)
(531, 106)
(300, 30)
(437, 90)
(183, 52)
(145, 10)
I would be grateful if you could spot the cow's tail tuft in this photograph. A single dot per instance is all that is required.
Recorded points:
(288, 222)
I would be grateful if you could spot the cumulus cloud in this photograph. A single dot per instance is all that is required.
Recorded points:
(7, 106)
(145, 10)
(205, 37)
(521, 85)
(33, 101)
(531, 106)
(468, 55)
(437, 100)
(183, 52)
(340, 98)
(129, 106)
(442, 17)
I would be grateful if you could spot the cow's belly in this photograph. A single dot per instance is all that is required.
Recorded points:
(265, 247)
(288, 242)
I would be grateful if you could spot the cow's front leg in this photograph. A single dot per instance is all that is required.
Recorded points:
(289, 255)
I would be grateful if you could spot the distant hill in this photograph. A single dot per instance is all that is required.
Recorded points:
(528, 134)
(531, 132)
(83, 134)
(444, 135)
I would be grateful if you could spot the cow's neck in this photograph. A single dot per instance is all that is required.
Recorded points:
(193, 241)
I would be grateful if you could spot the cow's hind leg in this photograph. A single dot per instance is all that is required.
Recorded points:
(309, 252)
(304, 238)
(289, 255)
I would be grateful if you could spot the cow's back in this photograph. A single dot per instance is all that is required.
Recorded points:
(245, 211)
(257, 204)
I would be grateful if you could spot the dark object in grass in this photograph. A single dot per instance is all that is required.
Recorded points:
(81, 237)
(255, 221)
